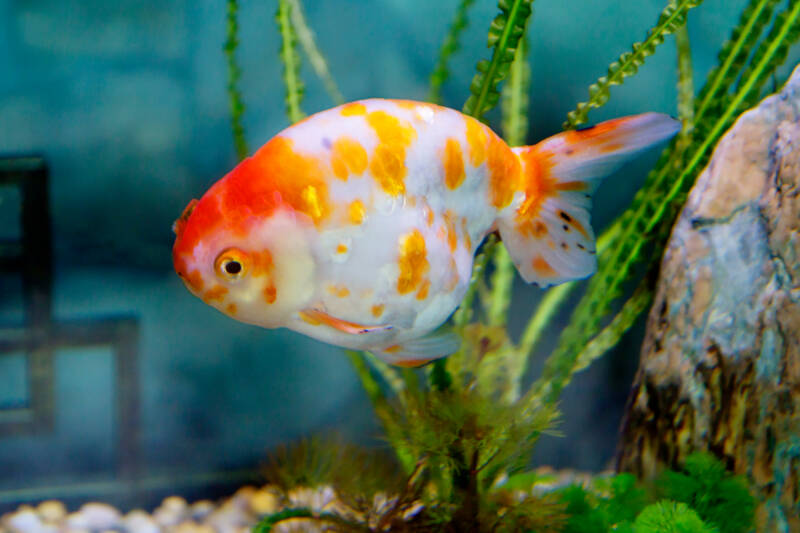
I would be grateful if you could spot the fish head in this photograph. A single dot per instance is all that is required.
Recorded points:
(252, 262)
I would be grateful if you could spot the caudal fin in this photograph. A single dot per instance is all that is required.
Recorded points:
(548, 234)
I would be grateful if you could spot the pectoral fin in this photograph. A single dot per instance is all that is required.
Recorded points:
(315, 317)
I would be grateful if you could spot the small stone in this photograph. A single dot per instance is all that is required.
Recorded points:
(174, 503)
(51, 511)
(190, 526)
(138, 521)
(264, 502)
(100, 515)
(76, 521)
(201, 509)
(23, 521)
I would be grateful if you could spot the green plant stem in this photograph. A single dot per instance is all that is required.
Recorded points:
(234, 74)
(462, 316)
(761, 11)
(306, 39)
(382, 409)
(291, 62)
(449, 47)
(685, 88)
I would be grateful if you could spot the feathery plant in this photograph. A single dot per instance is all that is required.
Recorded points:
(464, 424)
(234, 75)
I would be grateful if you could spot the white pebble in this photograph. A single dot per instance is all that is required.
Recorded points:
(23, 521)
(138, 521)
(201, 509)
(51, 511)
(100, 516)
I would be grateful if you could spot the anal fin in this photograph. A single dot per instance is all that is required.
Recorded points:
(418, 352)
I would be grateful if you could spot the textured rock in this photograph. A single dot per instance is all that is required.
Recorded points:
(720, 364)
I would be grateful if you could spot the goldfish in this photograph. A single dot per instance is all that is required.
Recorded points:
(358, 225)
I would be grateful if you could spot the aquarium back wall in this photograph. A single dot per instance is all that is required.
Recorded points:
(127, 103)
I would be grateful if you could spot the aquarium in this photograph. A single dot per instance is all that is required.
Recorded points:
(465, 265)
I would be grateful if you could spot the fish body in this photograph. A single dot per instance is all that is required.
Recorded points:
(358, 225)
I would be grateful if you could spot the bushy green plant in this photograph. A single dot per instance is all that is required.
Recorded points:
(463, 423)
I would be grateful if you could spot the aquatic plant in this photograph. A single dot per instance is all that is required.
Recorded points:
(461, 426)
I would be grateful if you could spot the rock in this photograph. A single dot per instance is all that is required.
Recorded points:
(264, 502)
(23, 521)
(51, 511)
(100, 516)
(139, 521)
(201, 509)
(720, 363)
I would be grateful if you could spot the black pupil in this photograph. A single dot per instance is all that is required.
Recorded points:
(233, 267)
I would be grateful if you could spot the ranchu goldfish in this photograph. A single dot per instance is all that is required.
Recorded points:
(358, 225)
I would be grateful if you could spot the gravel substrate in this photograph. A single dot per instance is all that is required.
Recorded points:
(237, 514)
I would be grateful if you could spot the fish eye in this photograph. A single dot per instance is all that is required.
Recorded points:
(230, 265)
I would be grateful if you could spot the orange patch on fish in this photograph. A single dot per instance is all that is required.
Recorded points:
(216, 293)
(538, 183)
(340, 291)
(465, 231)
(195, 280)
(353, 109)
(270, 293)
(413, 262)
(542, 267)
(532, 228)
(428, 215)
(388, 164)
(452, 280)
(453, 162)
(356, 211)
(504, 172)
(347, 157)
(388, 167)
(276, 176)
(261, 263)
(341, 248)
(411, 363)
(450, 224)
(422, 293)
(377, 310)
(231, 309)
(574, 223)
(476, 139)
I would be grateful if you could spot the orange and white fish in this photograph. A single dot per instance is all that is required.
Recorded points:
(358, 225)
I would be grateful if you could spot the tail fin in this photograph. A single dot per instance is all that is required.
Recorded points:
(548, 234)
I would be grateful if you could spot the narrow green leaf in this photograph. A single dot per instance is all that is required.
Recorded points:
(449, 47)
(234, 74)
(307, 40)
(672, 17)
(291, 62)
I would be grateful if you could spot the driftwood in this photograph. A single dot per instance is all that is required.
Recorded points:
(720, 364)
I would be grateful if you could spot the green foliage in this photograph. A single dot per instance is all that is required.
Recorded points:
(504, 34)
(307, 41)
(234, 74)
(291, 61)
(612, 501)
(672, 18)
(450, 47)
(644, 226)
(319, 461)
(670, 517)
(718, 497)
